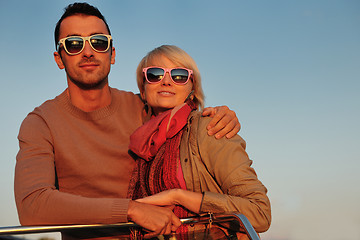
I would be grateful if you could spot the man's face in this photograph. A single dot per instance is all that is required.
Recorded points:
(88, 69)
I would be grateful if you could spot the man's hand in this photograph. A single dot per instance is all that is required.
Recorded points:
(157, 220)
(224, 122)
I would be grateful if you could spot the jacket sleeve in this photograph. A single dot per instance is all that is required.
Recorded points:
(38, 200)
(229, 164)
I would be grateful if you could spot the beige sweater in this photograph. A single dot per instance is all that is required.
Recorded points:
(89, 152)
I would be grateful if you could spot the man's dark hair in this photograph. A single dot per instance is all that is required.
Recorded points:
(75, 9)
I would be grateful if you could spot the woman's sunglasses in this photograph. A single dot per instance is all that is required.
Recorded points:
(178, 75)
(75, 44)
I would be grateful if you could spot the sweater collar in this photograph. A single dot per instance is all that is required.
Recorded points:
(65, 103)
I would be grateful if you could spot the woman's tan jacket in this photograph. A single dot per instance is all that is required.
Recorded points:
(221, 169)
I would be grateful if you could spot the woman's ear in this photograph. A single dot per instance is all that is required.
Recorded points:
(58, 60)
(142, 94)
(143, 97)
(190, 96)
(142, 91)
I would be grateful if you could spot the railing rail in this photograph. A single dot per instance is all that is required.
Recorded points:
(239, 223)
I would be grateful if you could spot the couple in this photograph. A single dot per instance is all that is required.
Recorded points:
(74, 166)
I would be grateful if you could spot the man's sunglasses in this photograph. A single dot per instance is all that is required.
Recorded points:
(75, 44)
(178, 75)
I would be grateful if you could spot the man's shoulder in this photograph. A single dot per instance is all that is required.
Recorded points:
(43, 111)
(37, 117)
(50, 105)
(126, 95)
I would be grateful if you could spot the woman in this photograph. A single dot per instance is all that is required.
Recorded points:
(178, 163)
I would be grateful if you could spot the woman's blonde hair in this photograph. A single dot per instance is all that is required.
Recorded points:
(180, 58)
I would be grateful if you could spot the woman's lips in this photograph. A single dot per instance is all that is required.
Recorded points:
(166, 93)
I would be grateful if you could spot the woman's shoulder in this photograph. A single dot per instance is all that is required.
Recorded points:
(198, 128)
(196, 118)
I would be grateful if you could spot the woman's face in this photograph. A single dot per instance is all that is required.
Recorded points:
(165, 94)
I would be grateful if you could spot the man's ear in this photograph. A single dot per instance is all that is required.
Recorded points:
(58, 60)
(113, 54)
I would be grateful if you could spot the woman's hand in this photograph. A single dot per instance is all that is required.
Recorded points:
(187, 199)
(165, 198)
(224, 122)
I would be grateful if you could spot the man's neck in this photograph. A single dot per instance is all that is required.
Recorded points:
(89, 100)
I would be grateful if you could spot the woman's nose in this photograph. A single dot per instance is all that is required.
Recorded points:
(167, 79)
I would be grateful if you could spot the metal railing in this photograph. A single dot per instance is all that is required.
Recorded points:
(235, 222)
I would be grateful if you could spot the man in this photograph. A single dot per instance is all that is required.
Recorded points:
(73, 165)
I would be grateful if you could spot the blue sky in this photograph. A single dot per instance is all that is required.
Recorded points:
(290, 70)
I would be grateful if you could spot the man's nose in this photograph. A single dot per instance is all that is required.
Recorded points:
(88, 50)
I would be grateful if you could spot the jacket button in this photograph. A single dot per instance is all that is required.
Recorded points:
(186, 159)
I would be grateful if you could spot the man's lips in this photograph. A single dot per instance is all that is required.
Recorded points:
(88, 66)
(89, 63)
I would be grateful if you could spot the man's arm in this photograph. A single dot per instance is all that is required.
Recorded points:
(39, 202)
(224, 122)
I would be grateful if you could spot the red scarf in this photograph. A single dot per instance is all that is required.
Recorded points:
(157, 144)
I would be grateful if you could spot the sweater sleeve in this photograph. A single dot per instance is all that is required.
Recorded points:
(230, 166)
(38, 200)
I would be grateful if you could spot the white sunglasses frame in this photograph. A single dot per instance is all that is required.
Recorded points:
(62, 42)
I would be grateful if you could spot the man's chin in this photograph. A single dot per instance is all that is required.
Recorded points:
(90, 85)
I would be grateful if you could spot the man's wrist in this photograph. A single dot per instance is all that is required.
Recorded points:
(131, 209)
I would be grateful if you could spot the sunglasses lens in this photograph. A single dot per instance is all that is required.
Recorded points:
(100, 43)
(154, 75)
(74, 44)
(179, 75)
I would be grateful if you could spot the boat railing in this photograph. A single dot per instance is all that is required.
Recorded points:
(234, 222)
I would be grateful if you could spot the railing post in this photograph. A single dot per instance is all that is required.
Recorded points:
(250, 231)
